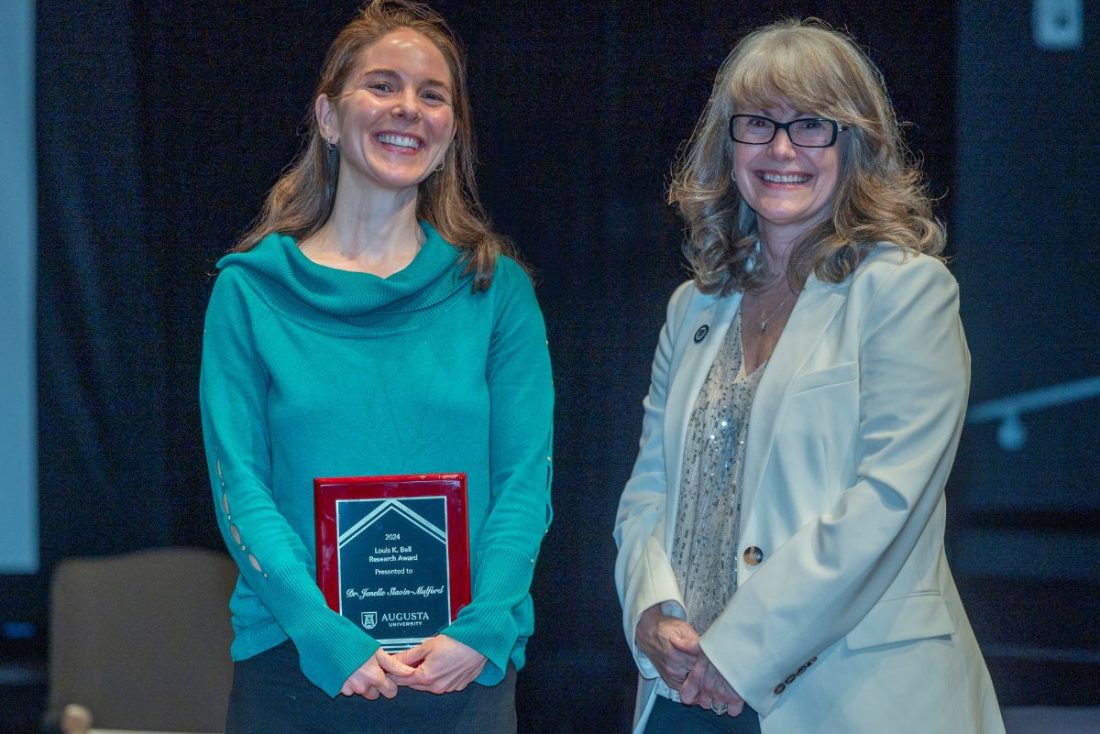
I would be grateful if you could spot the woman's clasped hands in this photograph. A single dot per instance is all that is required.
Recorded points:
(440, 664)
(672, 645)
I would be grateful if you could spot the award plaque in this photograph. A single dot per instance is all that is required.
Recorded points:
(393, 553)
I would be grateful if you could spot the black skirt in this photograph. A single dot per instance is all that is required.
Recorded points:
(670, 717)
(271, 696)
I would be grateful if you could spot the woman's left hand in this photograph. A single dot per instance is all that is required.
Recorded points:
(706, 687)
(442, 665)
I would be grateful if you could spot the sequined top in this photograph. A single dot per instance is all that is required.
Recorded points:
(704, 550)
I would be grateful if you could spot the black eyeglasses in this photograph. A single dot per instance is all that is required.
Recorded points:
(805, 132)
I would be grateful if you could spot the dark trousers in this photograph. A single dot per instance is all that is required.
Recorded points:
(669, 717)
(271, 696)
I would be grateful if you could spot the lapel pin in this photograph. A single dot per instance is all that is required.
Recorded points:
(701, 333)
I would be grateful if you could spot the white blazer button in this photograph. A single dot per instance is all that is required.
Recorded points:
(753, 555)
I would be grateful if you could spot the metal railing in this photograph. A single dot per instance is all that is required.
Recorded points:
(1011, 433)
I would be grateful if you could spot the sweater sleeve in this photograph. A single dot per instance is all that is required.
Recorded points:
(274, 562)
(520, 465)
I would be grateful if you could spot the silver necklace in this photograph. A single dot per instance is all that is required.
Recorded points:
(764, 321)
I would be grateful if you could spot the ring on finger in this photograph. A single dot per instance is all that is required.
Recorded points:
(719, 708)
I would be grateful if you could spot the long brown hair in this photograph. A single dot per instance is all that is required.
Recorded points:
(880, 196)
(301, 200)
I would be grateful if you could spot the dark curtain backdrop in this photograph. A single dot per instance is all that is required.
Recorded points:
(161, 126)
(1027, 530)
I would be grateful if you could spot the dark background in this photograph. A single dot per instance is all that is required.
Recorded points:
(162, 124)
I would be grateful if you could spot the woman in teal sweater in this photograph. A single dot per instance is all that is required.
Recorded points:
(372, 324)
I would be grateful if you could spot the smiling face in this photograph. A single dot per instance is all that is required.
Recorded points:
(394, 119)
(790, 188)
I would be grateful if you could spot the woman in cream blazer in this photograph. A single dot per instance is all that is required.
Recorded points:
(845, 616)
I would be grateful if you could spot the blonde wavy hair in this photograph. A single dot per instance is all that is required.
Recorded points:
(302, 199)
(880, 196)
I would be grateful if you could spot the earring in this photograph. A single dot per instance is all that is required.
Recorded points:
(441, 166)
(331, 145)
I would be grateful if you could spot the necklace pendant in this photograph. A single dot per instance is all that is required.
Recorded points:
(767, 316)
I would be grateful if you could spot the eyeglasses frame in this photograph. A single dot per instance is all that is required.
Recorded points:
(786, 127)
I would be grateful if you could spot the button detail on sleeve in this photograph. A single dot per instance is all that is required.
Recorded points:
(793, 676)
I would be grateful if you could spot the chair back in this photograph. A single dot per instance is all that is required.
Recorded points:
(142, 639)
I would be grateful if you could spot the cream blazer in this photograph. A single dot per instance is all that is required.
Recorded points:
(846, 618)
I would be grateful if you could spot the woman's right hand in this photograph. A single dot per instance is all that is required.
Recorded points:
(372, 679)
(706, 687)
(654, 637)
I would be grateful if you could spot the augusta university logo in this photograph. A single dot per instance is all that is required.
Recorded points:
(370, 620)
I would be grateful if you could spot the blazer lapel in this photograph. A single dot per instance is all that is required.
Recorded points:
(815, 309)
(697, 344)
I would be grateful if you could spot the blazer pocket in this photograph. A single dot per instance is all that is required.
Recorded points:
(913, 617)
(837, 374)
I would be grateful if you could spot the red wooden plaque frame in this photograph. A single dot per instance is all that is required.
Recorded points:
(327, 491)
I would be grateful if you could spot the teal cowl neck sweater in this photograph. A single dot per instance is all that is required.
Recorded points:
(310, 371)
